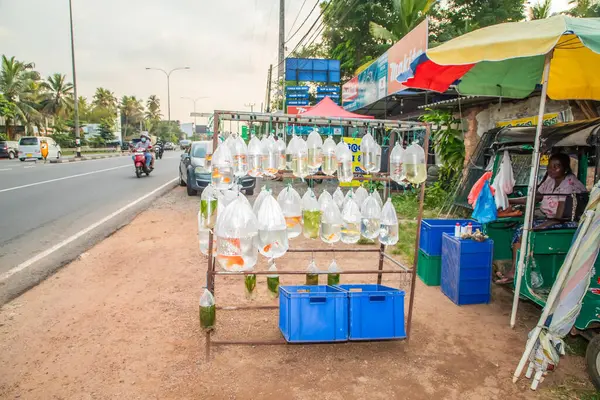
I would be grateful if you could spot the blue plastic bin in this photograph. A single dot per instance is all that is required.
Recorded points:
(432, 230)
(466, 270)
(313, 314)
(376, 312)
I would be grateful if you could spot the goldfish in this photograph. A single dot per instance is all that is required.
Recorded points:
(235, 242)
(215, 173)
(268, 247)
(331, 237)
(231, 262)
(226, 180)
(291, 222)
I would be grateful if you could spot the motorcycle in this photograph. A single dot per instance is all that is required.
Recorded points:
(158, 150)
(139, 160)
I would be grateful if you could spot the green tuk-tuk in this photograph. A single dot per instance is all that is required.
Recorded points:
(548, 248)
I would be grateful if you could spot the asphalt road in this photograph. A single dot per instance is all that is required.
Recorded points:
(44, 205)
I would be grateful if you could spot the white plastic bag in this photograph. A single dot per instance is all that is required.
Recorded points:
(329, 165)
(377, 197)
(331, 223)
(281, 153)
(349, 195)
(333, 274)
(377, 166)
(290, 151)
(504, 182)
(396, 164)
(311, 215)
(272, 239)
(207, 310)
(270, 161)
(208, 207)
(388, 233)
(314, 144)
(415, 164)
(291, 204)
(261, 196)
(222, 168)
(300, 159)
(236, 229)
(370, 218)
(351, 218)
(345, 171)
(338, 197)
(239, 150)
(368, 150)
(204, 237)
(312, 274)
(255, 157)
(360, 195)
(324, 198)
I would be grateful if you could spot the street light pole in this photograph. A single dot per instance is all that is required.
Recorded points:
(194, 101)
(75, 102)
(168, 75)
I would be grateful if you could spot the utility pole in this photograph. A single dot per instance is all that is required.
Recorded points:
(251, 105)
(76, 100)
(269, 80)
(281, 53)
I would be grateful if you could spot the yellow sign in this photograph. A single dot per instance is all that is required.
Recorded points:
(544, 160)
(549, 119)
(354, 146)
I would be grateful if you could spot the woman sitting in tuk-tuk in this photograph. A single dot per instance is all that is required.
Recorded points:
(559, 179)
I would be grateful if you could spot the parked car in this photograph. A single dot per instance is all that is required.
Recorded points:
(30, 147)
(169, 146)
(194, 169)
(183, 144)
(9, 149)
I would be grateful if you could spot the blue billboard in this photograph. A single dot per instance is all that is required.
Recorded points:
(372, 84)
(312, 70)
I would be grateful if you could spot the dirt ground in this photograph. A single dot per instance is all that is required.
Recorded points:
(121, 322)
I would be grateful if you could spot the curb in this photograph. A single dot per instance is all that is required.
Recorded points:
(84, 158)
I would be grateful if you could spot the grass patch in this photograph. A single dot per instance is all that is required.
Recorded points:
(365, 241)
(407, 206)
(407, 232)
(576, 345)
(573, 389)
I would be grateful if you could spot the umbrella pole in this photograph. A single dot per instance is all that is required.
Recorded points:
(529, 210)
(554, 294)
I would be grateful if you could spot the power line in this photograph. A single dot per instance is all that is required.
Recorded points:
(321, 27)
(297, 15)
(303, 22)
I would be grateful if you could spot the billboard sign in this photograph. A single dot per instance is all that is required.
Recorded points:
(312, 70)
(296, 89)
(332, 96)
(323, 130)
(328, 89)
(350, 93)
(297, 95)
(403, 53)
(298, 109)
(299, 102)
(354, 146)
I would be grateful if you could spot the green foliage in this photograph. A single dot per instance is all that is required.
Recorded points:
(106, 129)
(447, 139)
(407, 233)
(8, 109)
(584, 8)
(406, 14)
(541, 10)
(153, 108)
(372, 185)
(65, 140)
(168, 131)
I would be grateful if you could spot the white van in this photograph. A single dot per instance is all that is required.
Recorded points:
(30, 147)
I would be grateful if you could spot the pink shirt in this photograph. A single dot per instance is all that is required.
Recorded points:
(569, 185)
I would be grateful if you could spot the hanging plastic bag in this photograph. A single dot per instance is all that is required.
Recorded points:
(388, 234)
(396, 164)
(329, 158)
(377, 166)
(222, 168)
(311, 215)
(250, 285)
(415, 164)
(476, 189)
(300, 159)
(324, 198)
(312, 274)
(360, 195)
(290, 151)
(351, 218)
(270, 160)
(236, 229)
(239, 150)
(224, 198)
(273, 280)
(370, 218)
(208, 207)
(375, 194)
(333, 274)
(291, 205)
(349, 195)
(272, 239)
(338, 198)
(485, 210)
(314, 144)
(345, 171)
(368, 149)
(255, 157)
(208, 312)
(331, 223)
(204, 237)
(281, 153)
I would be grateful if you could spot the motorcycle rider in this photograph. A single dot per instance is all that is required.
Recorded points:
(145, 144)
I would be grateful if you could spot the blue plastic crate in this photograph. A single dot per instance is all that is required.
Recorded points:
(432, 230)
(313, 314)
(376, 312)
(466, 270)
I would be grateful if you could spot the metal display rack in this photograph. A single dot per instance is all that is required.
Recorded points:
(397, 126)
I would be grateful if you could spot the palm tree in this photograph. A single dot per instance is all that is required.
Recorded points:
(104, 98)
(408, 14)
(541, 10)
(584, 8)
(153, 108)
(132, 113)
(16, 84)
(57, 96)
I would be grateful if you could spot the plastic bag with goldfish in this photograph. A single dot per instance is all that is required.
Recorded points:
(291, 205)
(331, 223)
(272, 238)
(236, 230)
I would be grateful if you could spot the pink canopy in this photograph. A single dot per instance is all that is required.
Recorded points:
(327, 108)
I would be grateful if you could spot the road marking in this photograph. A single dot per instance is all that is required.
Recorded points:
(6, 169)
(62, 178)
(79, 234)
(31, 166)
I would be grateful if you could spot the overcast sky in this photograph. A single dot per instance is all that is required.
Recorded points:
(228, 44)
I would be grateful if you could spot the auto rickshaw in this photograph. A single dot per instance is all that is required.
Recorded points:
(548, 248)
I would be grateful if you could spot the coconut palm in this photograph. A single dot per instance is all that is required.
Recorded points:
(153, 108)
(407, 14)
(57, 96)
(104, 98)
(132, 114)
(584, 8)
(541, 10)
(17, 85)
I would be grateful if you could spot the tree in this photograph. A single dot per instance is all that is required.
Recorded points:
(406, 14)
(153, 108)
(132, 114)
(540, 10)
(104, 98)
(57, 96)
(16, 84)
(8, 110)
(106, 129)
(584, 8)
